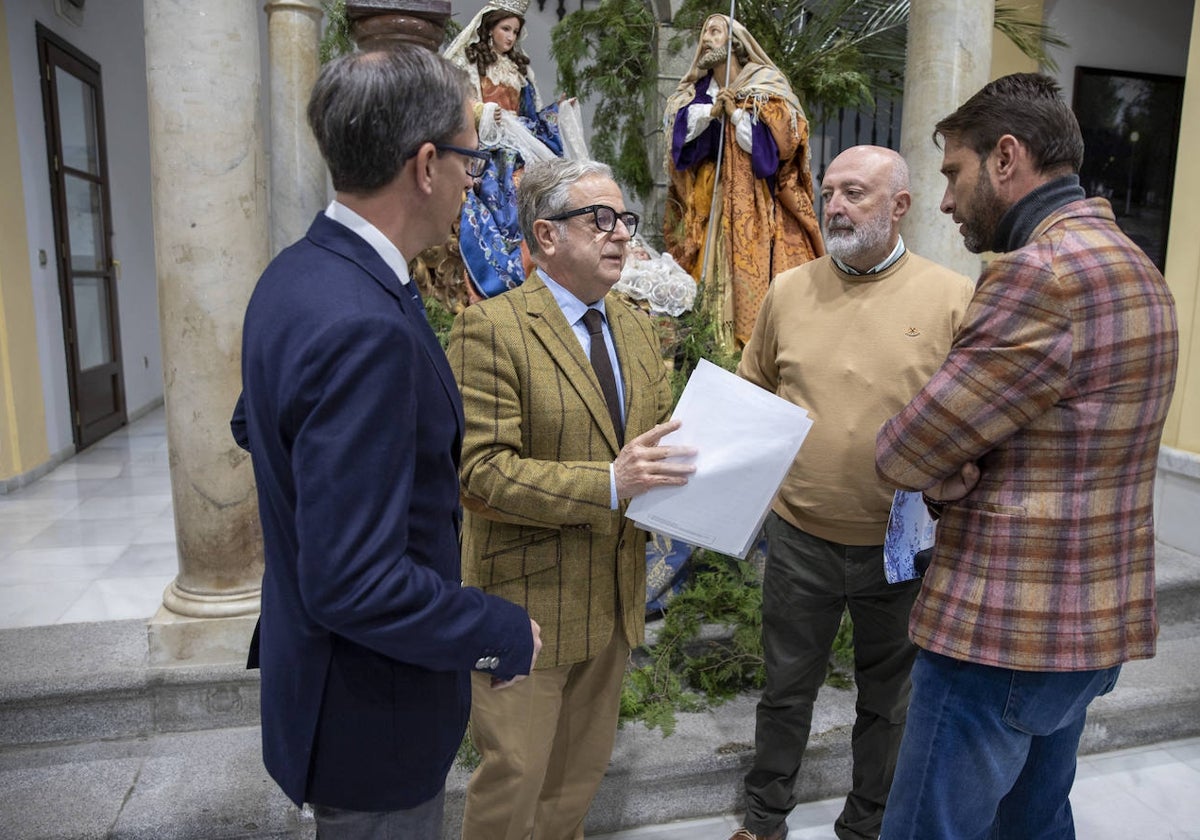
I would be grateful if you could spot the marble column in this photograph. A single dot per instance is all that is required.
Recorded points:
(949, 58)
(211, 243)
(298, 181)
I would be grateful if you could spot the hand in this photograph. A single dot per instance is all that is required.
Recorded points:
(537, 646)
(956, 486)
(724, 105)
(642, 463)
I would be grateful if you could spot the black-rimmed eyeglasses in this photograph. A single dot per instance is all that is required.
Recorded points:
(477, 161)
(604, 217)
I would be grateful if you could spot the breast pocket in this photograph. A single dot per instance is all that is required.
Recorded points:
(526, 552)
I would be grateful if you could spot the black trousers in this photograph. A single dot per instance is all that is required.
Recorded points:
(807, 585)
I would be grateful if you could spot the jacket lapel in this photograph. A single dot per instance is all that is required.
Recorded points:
(549, 326)
(339, 239)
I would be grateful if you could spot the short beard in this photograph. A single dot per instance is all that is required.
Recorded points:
(848, 245)
(712, 57)
(979, 231)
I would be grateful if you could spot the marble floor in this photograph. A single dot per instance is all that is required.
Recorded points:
(94, 540)
(1145, 793)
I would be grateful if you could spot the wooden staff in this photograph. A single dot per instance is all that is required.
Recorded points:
(708, 233)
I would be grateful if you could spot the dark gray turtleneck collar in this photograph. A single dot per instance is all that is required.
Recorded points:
(1019, 222)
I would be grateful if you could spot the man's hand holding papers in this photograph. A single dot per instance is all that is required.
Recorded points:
(745, 439)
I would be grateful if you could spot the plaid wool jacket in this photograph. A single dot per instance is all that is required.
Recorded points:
(538, 528)
(1057, 385)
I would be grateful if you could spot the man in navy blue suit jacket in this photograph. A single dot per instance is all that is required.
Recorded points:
(367, 637)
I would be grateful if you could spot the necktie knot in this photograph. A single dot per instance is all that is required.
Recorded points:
(594, 321)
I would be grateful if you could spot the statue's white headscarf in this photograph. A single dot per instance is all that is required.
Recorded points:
(759, 76)
(497, 127)
(457, 51)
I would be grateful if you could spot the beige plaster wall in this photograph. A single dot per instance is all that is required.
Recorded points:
(22, 412)
(1006, 58)
(1183, 262)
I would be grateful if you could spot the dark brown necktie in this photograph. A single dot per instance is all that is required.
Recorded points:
(603, 367)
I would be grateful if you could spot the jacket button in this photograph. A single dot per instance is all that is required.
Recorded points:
(486, 663)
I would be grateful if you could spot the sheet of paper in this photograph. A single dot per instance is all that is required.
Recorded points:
(746, 439)
(910, 529)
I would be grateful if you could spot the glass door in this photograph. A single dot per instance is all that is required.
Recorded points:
(74, 114)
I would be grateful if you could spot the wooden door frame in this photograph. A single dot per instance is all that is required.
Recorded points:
(53, 50)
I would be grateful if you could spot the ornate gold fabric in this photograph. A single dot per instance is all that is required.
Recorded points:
(758, 235)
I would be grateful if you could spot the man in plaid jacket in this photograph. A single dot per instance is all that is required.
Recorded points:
(1037, 443)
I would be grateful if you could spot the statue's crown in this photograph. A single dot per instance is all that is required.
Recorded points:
(517, 7)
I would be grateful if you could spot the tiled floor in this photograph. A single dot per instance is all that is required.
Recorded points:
(94, 540)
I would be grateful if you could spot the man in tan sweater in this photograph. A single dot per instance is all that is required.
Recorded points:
(851, 337)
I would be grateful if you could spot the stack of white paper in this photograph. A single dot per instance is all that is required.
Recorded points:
(746, 439)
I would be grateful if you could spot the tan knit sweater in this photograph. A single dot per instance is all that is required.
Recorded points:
(853, 350)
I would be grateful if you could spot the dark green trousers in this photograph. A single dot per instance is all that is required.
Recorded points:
(807, 585)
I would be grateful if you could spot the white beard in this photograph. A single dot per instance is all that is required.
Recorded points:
(847, 245)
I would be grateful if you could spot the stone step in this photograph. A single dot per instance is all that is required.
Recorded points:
(90, 682)
(210, 784)
(78, 682)
(95, 744)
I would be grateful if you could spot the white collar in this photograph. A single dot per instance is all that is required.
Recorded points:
(896, 254)
(572, 307)
(373, 236)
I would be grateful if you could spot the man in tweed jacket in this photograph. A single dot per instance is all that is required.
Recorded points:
(1037, 441)
(545, 479)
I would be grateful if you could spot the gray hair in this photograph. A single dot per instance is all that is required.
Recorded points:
(545, 191)
(371, 111)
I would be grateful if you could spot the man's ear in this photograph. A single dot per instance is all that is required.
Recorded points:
(422, 168)
(903, 201)
(546, 235)
(1007, 154)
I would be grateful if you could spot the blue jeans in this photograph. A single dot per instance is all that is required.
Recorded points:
(989, 753)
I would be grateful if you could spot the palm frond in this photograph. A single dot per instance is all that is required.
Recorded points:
(1032, 37)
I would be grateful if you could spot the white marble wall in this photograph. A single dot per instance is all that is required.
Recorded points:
(1177, 499)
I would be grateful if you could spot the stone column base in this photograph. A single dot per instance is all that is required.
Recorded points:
(184, 640)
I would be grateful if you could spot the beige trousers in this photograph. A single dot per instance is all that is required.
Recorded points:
(545, 744)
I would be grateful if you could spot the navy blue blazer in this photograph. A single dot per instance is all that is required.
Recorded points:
(367, 637)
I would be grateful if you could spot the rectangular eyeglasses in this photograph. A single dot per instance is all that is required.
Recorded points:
(477, 161)
(603, 216)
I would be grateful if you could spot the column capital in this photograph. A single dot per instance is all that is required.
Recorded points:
(379, 24)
